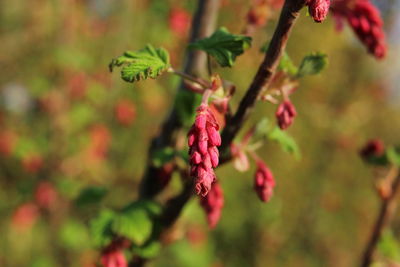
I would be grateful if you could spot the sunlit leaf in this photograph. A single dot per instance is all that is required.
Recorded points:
(223, 46)
(287, 142)
(100, 228)
(146, 63)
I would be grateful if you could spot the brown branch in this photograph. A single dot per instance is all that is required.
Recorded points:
(385, 215)
(203, 25)
(289, 14)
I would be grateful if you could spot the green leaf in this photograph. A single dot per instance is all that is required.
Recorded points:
(223, 46)
(90, 195)
(287, 142)
(73, 235)
(312, 64)
(185, 104)
(286, 65)
(149, 250)
(134, 224)
(389, 247)
(263, 127)
(162, 156)
(100, 228)
(393, 155)
(146, 63)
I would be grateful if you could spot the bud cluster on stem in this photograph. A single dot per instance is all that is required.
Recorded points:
(203, 140)
(366, 22)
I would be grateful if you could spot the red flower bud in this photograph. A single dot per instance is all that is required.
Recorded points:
(213, 204)
(318, 9)
(203, 139)
(45, 195)
(285, 114)
(264, 182)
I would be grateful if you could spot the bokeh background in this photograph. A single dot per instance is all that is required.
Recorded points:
(67, 124)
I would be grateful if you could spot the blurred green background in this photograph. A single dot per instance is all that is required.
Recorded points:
(67, 124)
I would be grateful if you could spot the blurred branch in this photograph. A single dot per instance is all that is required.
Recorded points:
(385, 215)
(203, 24)
(289, 14)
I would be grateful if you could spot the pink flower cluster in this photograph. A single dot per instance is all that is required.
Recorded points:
(264, 182)
(285, 114)
(366, 22)
(213, 204)
(203, 139)
(318, 9)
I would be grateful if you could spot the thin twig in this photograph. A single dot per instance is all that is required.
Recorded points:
(289, 14)
(385, 215)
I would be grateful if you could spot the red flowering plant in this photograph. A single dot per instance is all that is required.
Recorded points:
(208, 126)
(278, 77)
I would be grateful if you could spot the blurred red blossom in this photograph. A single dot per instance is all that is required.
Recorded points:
(125, 112)
(32, 163)
(365, 20)
(45, 195)
(100, 139)
(179, 21)
(212, 204)
(25, 215)
(8, 140)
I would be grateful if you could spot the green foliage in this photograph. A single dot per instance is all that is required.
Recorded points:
(100, 227)
(389, 247)
(146, 63)
(286, 142)
(134, 222)
(162, 156)
(148, 250)
(223, 46)
(185, 104)
(73, 235)
(312, 64)
(393, 155)
(90, 195)
(286, 65)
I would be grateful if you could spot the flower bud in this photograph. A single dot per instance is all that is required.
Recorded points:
(264, 182)
(285, 114)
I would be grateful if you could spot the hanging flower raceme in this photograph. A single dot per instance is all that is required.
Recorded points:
(318, 9)
(285, 114)
(212, 204)
(203, 139)
(366, 22)
(264, 182)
